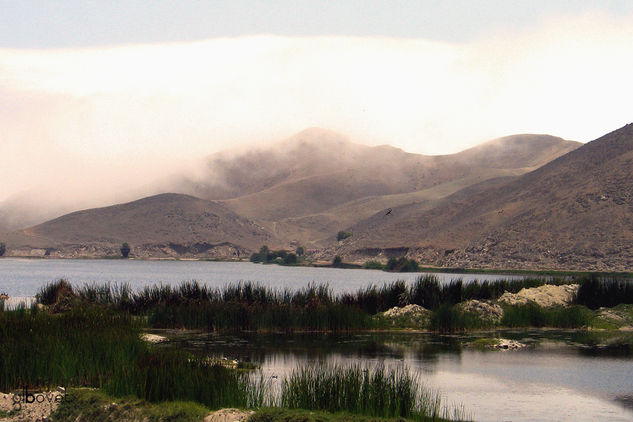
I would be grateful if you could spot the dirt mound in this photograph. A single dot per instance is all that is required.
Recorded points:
(408, 311)
(413, 315)
(228, 415)
(483, 309)
(546, 295)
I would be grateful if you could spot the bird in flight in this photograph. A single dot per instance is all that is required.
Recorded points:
(388, 211)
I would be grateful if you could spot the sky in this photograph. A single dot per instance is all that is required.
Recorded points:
(99, 96)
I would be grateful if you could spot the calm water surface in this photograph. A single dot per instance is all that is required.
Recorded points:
(24, 277)
(552, 380)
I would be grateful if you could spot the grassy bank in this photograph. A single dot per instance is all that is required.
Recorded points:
(87, 405)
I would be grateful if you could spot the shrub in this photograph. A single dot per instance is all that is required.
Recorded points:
(337, 261)
(373, 265)
(125, 250)
(402, 265)
(300, 251)
(3, 248)
(290, 259)
(343, 235)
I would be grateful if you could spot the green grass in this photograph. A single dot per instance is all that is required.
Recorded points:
(96, 347)
(97, 406)
(484, 342)
(532, 315)
(373, 265)
(376, 392)
(301, 415)
(450, 319)
(171, 375)
(79, 347)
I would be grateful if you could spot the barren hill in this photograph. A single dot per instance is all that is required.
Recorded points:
(318, 182)
(575, 212)
(161, 225)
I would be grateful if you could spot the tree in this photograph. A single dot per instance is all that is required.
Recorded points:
(343, 235)
(3, 248)
(290, 259)
(125, 250)
(337, 261)
(300, 251)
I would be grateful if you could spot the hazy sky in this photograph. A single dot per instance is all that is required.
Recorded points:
(121, 91)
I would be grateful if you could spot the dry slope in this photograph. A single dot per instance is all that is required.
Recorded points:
(575, 212)
(161, 225)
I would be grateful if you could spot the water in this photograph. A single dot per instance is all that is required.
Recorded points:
(553, 379)
(24, 277)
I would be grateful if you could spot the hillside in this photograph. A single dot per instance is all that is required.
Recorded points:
(317, 182)
(161, 225)
(575, 212)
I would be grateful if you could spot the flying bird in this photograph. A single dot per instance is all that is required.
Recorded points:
(388, 211)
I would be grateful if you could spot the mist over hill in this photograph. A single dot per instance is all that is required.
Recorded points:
(305, 189)
(575, 212)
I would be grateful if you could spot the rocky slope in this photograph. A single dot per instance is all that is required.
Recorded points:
(575, 212)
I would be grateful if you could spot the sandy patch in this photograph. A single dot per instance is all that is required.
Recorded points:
(43, 404)
(229, 415)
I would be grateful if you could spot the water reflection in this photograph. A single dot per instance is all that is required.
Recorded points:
(560, 376)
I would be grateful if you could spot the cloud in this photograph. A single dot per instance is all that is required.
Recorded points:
(149, 109)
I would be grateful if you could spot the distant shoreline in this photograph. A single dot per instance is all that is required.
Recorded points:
(324, 264)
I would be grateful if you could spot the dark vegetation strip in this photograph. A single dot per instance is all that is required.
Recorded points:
(596, 292)
(251, 306)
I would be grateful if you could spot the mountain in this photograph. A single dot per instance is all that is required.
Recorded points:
(576, 212)
(300, 191)
(317, 182)
(158, 226)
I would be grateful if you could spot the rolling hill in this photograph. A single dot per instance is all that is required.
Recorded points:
(158, 226)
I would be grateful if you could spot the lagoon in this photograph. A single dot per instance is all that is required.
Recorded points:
(554, 378)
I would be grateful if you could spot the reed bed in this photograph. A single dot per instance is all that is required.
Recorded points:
(596, 292)
(172, 375)
(251, 306)
(532, 315)
(377, 392)
(79, 347)
(427, 291)
(96, 347)
(450, 319)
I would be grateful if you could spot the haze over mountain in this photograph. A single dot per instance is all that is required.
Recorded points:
(575, 212)
(317, 182)
(300, 191)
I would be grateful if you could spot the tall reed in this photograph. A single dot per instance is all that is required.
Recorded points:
(596, 292)
(377, 392)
